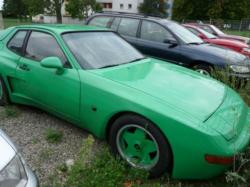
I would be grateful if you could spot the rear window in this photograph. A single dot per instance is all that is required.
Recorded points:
(100, 21)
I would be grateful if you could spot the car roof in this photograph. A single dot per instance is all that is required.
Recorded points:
(132, 15)
(61, 28)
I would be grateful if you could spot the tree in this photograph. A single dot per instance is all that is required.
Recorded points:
(82, 8)
(14, 8)
(55, 7)
(152, 7)
(207, 9)
(35, 7)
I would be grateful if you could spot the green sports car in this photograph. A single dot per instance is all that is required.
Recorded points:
(157, 116)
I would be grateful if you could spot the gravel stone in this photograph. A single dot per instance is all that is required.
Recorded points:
(27, 130)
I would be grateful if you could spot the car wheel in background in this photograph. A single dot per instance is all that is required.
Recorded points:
(203, 69)
(141, 144)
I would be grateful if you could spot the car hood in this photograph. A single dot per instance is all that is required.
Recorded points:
(226, 42)
(178, 87)
(221, 54)
(234, 37)
(7, 149)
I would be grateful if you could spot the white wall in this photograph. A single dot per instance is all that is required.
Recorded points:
(134, 3)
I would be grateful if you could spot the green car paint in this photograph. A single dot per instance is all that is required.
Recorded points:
(198, 116)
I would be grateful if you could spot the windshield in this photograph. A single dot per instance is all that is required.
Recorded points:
(94, 50)
(218, 31)
(207, 34)
(184, 34)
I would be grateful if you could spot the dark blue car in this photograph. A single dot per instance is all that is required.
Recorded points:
(168, 40)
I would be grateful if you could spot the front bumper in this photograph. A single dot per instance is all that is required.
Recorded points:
(191, 164)
(32, 179)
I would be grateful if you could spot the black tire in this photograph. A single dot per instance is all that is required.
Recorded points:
(203, 67)
(4, 99)
(164, 163)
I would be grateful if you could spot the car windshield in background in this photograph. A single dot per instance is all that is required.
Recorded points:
(207, 34)
(217, 30)
(184, 34)
(95, 50)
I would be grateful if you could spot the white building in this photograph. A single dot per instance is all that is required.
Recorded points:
(120, 5)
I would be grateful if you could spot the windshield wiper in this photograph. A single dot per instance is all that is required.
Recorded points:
(197, 43)
(137, 59)
(194, 43)
(109, 66)
(112, 65)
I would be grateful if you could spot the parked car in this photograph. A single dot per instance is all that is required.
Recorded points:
(217, 32)
(168, 40)
(14, 172)
(210, 38)
(157, 116)
(38, 18)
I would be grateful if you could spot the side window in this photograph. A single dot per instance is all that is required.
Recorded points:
(41, 45)
(100, 21)
(115, 24)
(193, 31)
(207, 29)
(16, 42)
(154, 32)
(128, 26)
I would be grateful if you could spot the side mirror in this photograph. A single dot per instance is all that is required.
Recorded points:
(54, 63)
(172, 43)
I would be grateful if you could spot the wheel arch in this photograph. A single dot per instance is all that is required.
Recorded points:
(122, 113)
(202, 62)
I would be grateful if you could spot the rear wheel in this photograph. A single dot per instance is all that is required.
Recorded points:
(141, 144)
(203, 69)
(3, 93)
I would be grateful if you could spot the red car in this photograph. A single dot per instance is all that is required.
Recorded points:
(217, 32)
(210, 38)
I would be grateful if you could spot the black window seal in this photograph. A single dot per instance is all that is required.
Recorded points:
(42, 31)
(7, 45)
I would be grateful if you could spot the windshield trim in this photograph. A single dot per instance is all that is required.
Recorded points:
(95, 31)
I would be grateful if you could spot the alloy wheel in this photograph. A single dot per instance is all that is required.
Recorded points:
(137, 146)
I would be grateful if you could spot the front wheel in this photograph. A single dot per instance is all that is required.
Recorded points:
(141, 144)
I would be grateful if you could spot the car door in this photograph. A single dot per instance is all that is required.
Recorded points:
(127, 28)
(44, 87)
(156, 41)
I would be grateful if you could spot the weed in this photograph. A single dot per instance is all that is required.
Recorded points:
(63, 168)
(11, 111)
(45, 154)
(53, 136)
(103, 169)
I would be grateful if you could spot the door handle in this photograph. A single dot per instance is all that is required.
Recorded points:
(24, 67)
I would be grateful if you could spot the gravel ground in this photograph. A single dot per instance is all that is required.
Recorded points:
(27, 129)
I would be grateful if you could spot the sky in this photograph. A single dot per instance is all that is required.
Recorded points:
(1, 4)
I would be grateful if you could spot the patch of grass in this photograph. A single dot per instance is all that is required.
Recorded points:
(53, 135)
(45, 154)
(11, 111)
(240, 33)
(9, 22)
(102, 169)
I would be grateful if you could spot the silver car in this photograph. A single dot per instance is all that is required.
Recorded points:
(14, 172)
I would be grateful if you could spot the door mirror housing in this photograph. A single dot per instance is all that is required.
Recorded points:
(173, 43)
(54, 63)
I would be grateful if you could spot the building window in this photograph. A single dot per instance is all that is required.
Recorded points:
(107, 5)
(129, 6)
(121, 6)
